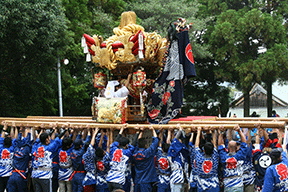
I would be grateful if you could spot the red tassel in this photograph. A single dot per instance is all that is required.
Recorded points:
(89, 39)
(136, 45)
(135, 52)
(117, 45)
(114, 50)
(135, 37)
(89, 45)
(91, 52)
(103, 45)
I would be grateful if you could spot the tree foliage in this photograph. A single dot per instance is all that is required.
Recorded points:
(30, 35)
(238, 37)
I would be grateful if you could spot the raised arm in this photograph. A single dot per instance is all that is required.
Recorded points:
(242, 136)
(191, 137)
(12, 131)
(141, 132)
(4, 129)
(94, 136)
(101, 138)
(108, 140)
(214, 139)
(179, 132)
(249, 138)
(120, 133)
(229, 134)
(220, 137)
(16, 131)
(280, 133)
(128, 80)
(54, 129)
(197, 142)
(168, 140)
(265, 134)
(75, 133)
(85, 132)
(153, 131)
(161, 137)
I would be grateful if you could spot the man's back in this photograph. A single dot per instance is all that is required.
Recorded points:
(145, 171)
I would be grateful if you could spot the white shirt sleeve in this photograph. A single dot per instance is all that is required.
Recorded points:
(122, 92)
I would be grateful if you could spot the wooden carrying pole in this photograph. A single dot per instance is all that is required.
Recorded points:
(48, 120)
(46, 124)
(243, 124)
(57, 117)
(253, 119)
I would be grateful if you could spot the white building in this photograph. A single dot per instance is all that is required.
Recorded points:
(258, 100)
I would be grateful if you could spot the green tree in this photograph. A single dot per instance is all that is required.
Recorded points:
(30, 42)
(85, 17)
(236, 40)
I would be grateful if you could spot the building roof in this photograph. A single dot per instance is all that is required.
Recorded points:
(257, 89)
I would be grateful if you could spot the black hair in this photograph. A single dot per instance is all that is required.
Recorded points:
(86, 145)
(165, 147)
(142, 143)
(43, 137)
(7, 142)
(208, 147)
(66, 143)
(172, 33)
(123, 141)
(273, 136)
(275, 155)
(77, 144)
(99, 152)
(208, 137)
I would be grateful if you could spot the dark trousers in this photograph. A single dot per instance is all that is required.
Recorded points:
(3, 183)
(55, 183)
(42, 185)
(17, 183)
(77, 182)
(113, 186)
(144, 187)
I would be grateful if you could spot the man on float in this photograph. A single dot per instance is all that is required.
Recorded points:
(114, 89)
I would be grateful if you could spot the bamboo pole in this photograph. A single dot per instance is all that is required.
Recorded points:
(243, 124)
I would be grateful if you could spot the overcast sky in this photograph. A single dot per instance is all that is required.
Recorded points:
(280, 91)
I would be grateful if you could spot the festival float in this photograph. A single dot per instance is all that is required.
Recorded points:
(131, 47)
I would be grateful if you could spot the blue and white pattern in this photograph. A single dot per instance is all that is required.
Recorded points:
(276, 177)
(177, 175)
(177, 161)
(6, 157)
(42, 159)
(193, 175)
(207, 170)
(249, 173)
(164, 169)
(232, 163)
(119, 163)
(90, 166)
(65, 164)
(102, 169)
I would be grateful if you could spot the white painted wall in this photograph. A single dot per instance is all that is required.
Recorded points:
(282, 111)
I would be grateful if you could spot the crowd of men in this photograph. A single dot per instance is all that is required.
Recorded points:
(86, 160)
